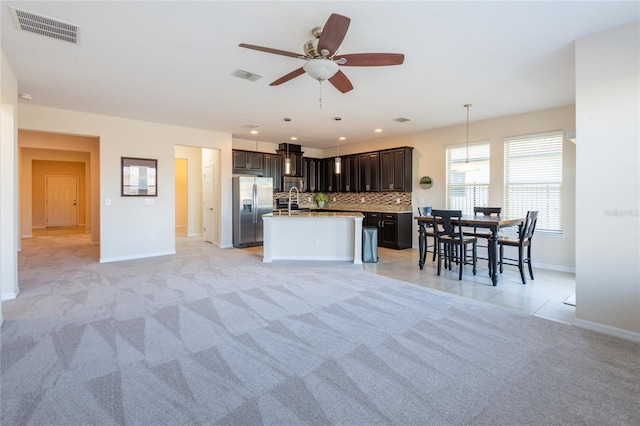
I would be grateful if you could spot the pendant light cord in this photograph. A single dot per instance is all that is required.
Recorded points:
(467, 107)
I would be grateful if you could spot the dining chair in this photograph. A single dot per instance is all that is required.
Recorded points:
(483, 233)
(429, 231)
(450, 238)
(525, 234)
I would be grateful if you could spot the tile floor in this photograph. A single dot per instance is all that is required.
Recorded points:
(543, 297)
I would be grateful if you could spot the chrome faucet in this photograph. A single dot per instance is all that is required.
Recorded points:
(297, 197)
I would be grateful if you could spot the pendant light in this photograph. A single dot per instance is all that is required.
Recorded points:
(338, 162)
(287, 163)
(467, 167)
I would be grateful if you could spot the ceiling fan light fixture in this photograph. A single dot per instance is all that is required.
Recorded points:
(320, 69)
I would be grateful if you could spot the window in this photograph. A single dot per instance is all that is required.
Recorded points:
(467, 189)
(533, 178)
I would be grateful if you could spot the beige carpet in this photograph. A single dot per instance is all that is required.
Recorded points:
(213, 336)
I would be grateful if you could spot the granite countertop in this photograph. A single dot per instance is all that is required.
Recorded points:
(343, 207)
(295, 213)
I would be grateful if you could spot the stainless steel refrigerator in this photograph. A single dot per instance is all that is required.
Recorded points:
(252, 197)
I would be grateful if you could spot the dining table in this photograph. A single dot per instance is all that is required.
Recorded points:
(492, 223)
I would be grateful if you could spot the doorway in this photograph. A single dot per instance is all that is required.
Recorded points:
(182, 199)
(61, 202)
(208, 203)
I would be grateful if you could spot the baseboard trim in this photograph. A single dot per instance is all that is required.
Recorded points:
(195, 234)
(554, 267)
(139, 256)
(607, 329)
(9, 296)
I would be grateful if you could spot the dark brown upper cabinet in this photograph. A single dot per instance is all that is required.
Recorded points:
(396, 169)
(248, 162)
(369, 164)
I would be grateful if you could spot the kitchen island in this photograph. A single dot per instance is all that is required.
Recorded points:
(313, 236)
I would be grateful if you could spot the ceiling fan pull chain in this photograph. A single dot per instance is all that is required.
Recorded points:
(320, 93)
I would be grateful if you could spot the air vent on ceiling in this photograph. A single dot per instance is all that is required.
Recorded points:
(401, 119)
(43, 25)
(246, 75)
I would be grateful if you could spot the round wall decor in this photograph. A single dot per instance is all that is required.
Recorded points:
(426, 182)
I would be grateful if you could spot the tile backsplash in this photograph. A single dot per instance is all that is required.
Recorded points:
(354, 201)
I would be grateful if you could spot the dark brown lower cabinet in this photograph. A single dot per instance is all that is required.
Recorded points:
(394, 229)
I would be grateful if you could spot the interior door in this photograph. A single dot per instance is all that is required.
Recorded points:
(208, 202)
(61, 201)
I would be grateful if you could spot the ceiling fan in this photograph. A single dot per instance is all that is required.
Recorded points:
(322, 61)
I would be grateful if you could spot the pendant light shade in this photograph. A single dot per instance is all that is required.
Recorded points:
(338, 161)
(287, 163)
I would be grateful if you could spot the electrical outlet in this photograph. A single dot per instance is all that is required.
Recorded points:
(363, 199)
(398, 200)
(309, 199)
(421, 201)
(334, 199)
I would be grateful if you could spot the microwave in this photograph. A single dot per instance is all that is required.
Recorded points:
(291, 182)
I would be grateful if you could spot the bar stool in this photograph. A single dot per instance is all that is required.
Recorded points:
(450, 239)
(525, 234)
(485, 211)
(429, 231)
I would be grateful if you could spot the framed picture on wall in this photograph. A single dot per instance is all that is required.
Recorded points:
(139, 177)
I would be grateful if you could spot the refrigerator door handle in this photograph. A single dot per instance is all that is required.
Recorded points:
(255, 203)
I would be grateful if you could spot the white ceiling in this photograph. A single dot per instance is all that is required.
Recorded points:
(172, 62)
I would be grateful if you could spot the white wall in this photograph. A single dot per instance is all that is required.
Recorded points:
(9, 240)
(130, 227)
(429, 158)
(608, 182)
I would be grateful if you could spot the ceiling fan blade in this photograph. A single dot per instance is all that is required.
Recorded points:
(371, 59)
(341, 82)
(333, 33)
(270, 50)
(293, 74)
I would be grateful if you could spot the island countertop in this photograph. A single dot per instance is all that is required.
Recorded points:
(298, 214)
(313, 236)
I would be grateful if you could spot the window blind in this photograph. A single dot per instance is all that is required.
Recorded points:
(533, 178)
(467, 189)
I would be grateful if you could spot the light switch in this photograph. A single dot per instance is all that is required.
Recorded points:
(149, 201)
(107, 202)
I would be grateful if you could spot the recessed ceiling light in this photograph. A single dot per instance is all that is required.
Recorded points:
(26, 96)
(254, 132)
(378, 130)
(342, 138)
(401, 119)
(293, 138)
(337, 118)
